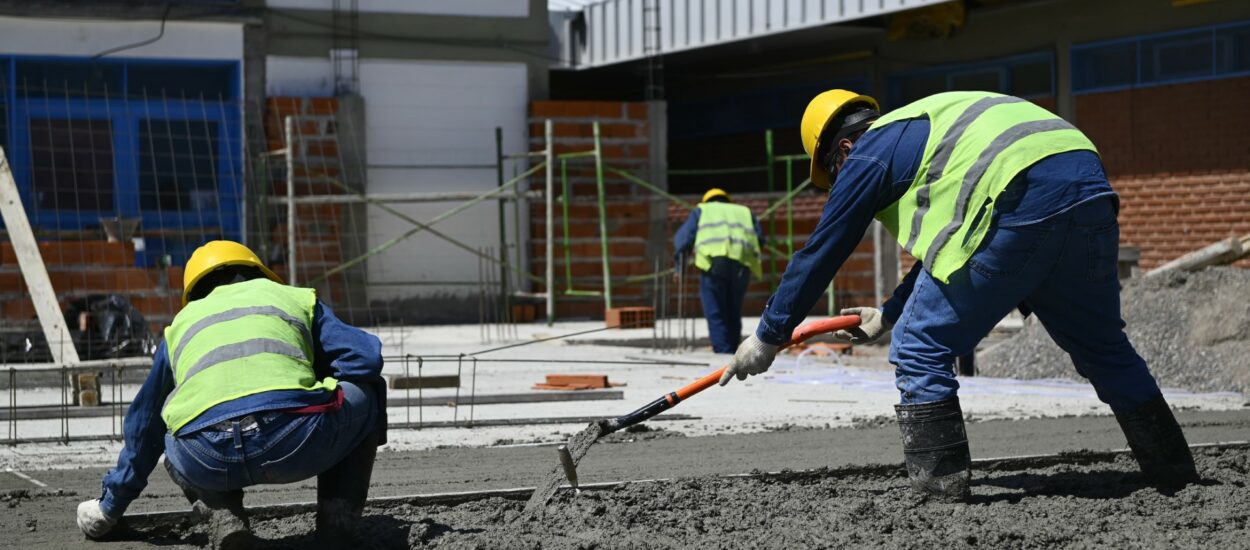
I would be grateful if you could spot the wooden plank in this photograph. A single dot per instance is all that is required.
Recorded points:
(398, 382)
(33, 270)
(1223, 252)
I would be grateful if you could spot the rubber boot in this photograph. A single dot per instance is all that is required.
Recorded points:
(228, 525)
(341, 494)
(935, 448)
(1158, 444)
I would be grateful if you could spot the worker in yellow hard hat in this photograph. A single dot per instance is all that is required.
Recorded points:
(255, 382)
(1003, 205)
(725, 239)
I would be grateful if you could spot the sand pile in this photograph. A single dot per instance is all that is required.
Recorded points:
(1193, 329)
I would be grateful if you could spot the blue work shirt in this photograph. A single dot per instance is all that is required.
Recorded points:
(879, 170)
(683, 239)
(339, 350)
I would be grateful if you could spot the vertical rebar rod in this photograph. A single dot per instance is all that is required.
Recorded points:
(655, 304)
(790, 208)
(65, 380)
(472, 391)
(481, 298)
(772, 219)
(455, 411)
(681, 301)
(289, 133)
(603, 220)
(13, 405)
(566, 197)
(551, 231)
(503, 214)
(420, 393)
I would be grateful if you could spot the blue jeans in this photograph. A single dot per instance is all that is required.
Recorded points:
(1064, 269)
(282, 448)
(721, 289)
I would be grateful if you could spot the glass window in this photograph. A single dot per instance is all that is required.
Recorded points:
(1176, 57)
(1105, 66)
(1032, 78)
(980, 80)
(1232, 49)
(178, 165)
(169, 82)
(72, 164)
(68, 79)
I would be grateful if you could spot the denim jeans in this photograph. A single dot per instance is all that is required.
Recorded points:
(721, 290)
(281, 447)
(1064, 269)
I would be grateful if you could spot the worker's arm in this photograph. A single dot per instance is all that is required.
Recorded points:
(857, 194)
(343, 351)
(683, 240)
(144, 438)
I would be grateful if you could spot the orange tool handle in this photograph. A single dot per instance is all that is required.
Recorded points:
(801, 334)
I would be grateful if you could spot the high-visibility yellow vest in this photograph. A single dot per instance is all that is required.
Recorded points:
(728, 230)
(241, 339)
(978, 142)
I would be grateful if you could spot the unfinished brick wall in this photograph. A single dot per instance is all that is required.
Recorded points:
(1179, 156)
(624, 138)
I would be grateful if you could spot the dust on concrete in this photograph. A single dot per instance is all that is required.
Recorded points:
(640, 432)
(1193, 329)
(1085, 501)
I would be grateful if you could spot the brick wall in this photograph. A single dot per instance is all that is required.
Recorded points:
(1179, 156)
(624, 139)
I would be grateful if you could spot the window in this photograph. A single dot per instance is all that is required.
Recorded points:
(178, 165)
(1200, 54)
(164, 81)
(1028, 76)
(751, 111)
(72, 164)
(53, 80)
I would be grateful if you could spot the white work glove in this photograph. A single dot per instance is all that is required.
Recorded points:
(753, 357)
(872, 326)
(92, 519)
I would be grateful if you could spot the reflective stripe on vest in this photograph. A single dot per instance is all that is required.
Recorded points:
(224, 346)
(726, 230)
(978, 143)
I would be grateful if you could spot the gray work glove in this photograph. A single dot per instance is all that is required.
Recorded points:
(92, 519)
(872, 326)
(753, 357)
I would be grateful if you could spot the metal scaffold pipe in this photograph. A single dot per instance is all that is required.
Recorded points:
(551, 231)
(603, 220)
(289, 134)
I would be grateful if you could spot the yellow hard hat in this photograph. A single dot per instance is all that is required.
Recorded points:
(713, 193)
(822, 109)
(215, 254)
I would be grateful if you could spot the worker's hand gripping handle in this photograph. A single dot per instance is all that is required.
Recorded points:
(662, 404)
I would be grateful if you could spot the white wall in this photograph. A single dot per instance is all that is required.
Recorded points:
(298, 76)
(485, 8)
(73, 37)
(420, 115)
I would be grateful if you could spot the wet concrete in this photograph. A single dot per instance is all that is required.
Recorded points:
(1111, 491)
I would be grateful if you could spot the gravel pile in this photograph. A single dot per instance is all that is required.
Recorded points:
(1193, 329)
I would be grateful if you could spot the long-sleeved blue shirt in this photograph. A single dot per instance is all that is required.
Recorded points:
(879, 170)
(683, 239)
(339, 350)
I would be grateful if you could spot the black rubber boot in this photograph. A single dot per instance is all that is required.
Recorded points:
(935, 448)
(341, 494)
(1158, 444)
(228, 525)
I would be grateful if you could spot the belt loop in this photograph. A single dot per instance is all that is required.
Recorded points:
(238, 434)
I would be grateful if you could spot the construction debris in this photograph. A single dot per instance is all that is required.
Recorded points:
(568, 382)
(1223, 252)
(1190, 327)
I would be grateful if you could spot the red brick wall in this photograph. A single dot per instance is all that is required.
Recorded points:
(1179, 156)
(624, 138)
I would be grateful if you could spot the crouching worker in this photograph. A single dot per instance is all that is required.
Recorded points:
(255, 383)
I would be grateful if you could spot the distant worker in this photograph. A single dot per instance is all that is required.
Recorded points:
(726, 240)
(255, 383)
(1004, 205)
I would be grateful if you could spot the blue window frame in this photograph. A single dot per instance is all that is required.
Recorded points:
(1204, 53)
(155, 139)
(1028, 76)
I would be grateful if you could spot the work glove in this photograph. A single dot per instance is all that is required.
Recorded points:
(872, 326)
(92, 519)
(753, 357)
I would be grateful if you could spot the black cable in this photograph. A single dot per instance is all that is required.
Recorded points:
(169, 6)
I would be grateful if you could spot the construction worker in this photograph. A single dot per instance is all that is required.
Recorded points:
(255, 383)
(1004, 205)
(726, 240)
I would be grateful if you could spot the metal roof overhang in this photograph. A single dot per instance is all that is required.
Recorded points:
(608, 32)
